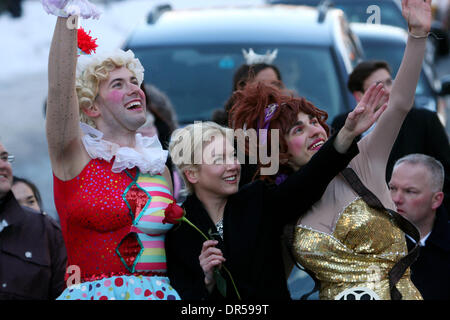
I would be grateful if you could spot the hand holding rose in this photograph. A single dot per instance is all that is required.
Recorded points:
(211, 258)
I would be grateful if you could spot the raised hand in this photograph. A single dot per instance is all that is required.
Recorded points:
(366, 113)
(368, 110)
(417, 14)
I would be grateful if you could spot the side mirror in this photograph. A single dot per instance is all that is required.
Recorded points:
(445, 85)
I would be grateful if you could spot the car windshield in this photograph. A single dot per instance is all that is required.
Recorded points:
(393, 54)
(198, 80)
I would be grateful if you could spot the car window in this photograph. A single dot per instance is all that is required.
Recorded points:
(198, 79)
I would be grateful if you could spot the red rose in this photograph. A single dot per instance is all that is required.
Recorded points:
(173, 213)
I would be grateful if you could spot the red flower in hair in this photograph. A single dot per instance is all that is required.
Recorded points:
(85, 42)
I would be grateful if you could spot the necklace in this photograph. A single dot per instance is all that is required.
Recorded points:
(219, 227)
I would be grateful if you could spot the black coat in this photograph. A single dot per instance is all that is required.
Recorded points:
(252, 225)
(430, 273)
(32, 254)
(421, 132)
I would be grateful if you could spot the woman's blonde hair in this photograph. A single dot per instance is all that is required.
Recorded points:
(91, 70)
(186, 143)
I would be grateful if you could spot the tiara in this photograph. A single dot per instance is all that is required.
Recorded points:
(253, 58)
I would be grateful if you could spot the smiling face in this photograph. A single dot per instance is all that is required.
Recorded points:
(304, 139)
(412, 192)
(120, 102)
(6, 176)
(220, 171)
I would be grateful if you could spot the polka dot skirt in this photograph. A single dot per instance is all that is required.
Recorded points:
(122, 288)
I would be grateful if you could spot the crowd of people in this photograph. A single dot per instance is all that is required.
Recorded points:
(150, 210)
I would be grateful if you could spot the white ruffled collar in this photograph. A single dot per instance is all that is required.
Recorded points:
(148, 154)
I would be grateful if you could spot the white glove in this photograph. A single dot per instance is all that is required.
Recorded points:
(65, 8)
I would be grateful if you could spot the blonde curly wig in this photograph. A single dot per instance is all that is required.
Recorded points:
(91, 70)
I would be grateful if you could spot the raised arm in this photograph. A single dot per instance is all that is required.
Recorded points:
(67, 155)
(380, 141)
(62, 124)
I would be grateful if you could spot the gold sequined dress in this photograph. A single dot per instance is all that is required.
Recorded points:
(349, 246)
(360, 252)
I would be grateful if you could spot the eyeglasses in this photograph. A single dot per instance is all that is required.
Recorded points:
(5, 157)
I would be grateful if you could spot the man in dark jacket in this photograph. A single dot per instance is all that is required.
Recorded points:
(32, 253)
(421, 132)
(416, 189)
